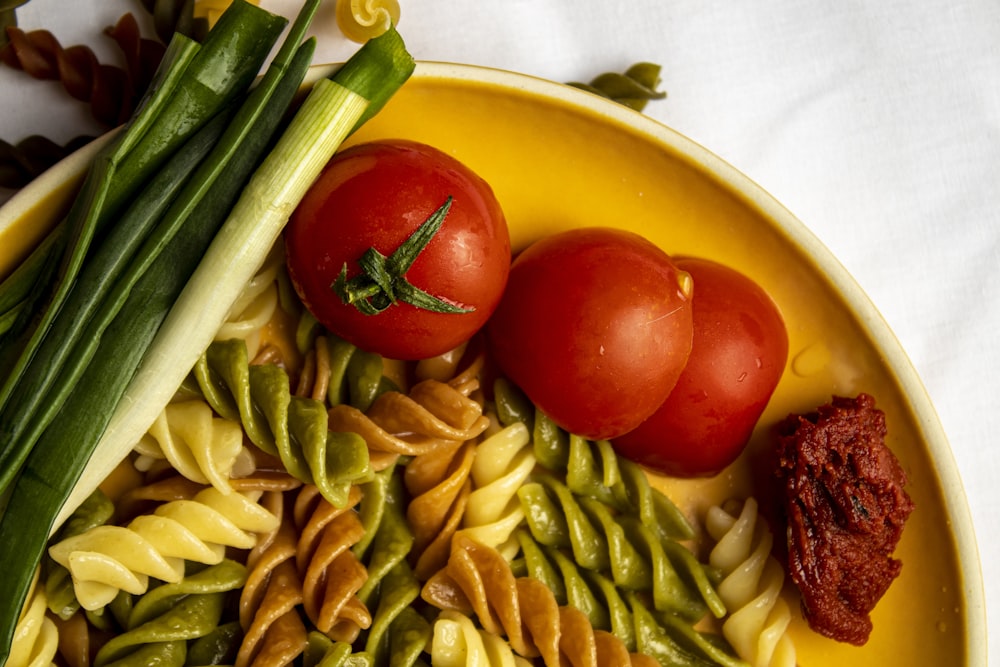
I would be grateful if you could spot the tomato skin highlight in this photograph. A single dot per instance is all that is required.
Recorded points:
(375, 195)
(739, 354)
(594, 327)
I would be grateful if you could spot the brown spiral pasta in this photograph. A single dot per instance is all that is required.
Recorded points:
(24, 161)
(433, 416)
(478, 580)
(274, 633)
(331, 573)
(439, 486)
(111, 91)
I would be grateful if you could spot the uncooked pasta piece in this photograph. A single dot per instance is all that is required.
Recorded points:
(479, 581)
(434, 416)
(751, 588)
(273, 633)
(157, 626)
(633, 88)
(36, 637)
(256, 305)
(439, 486)
(503, 463)
(361, 20)
(294, 429)
(107, 558)
(197, 444)
(111, 91)
(457, 642)
(331, 573)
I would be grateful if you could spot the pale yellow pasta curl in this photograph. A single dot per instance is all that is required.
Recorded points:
(36, 638)
(197, 444)
(107, 559)
(757, 616)
(361, 20)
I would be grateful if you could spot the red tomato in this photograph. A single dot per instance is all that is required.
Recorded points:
(377, 195)
(739, 352)
(595, 326)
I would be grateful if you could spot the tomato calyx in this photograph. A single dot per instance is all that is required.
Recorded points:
(382, 281)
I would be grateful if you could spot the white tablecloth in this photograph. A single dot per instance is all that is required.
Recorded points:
(876, 123)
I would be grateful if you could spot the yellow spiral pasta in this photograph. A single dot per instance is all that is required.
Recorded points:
(199, 445)
(751, 589)
(256, 305)
(457, 642)
(331, 573)
(36, 638)
(503, 463)
(107, 559)
(361, 20)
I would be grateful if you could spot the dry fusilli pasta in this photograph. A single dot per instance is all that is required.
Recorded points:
(751, 588)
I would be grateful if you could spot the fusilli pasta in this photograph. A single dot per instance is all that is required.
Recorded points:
(751, 588)
(108, 558)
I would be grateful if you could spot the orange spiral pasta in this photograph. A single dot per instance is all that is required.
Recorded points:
(439, 485)
(432, 416)
(274, 633)
(331, 573)
(478, 580)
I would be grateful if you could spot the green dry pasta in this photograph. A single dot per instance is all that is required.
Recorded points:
(158, 624)
(290, 427)
(662, 634)
(633, 88)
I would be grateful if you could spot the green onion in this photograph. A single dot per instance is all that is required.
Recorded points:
(166, 320)
(193, 83)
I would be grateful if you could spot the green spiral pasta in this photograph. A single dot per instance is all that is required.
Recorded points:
(157, 626)
(663, 634)
(633, 88)
(592, 468)
(293, 428)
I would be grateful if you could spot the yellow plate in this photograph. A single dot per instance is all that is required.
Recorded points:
(560, 158)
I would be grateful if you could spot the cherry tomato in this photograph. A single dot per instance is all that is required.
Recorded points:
(595, 327)
(373, 206)
(739, 353)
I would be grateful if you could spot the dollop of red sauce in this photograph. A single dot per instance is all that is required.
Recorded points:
(842, 501)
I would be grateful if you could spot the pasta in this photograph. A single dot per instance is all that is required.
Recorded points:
(361, 20)
(478, 580)
(294, 429)
(197, 444)
(592, 469)
(158, 625)
(22, 162)
(502, 464)
(331, 573)
(751, 587)
(112, 92)
(273, 632)
(36, 637)
(107, 558)
(633, 88)
(457, 642)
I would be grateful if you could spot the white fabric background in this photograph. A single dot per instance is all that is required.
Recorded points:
(876, 123)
